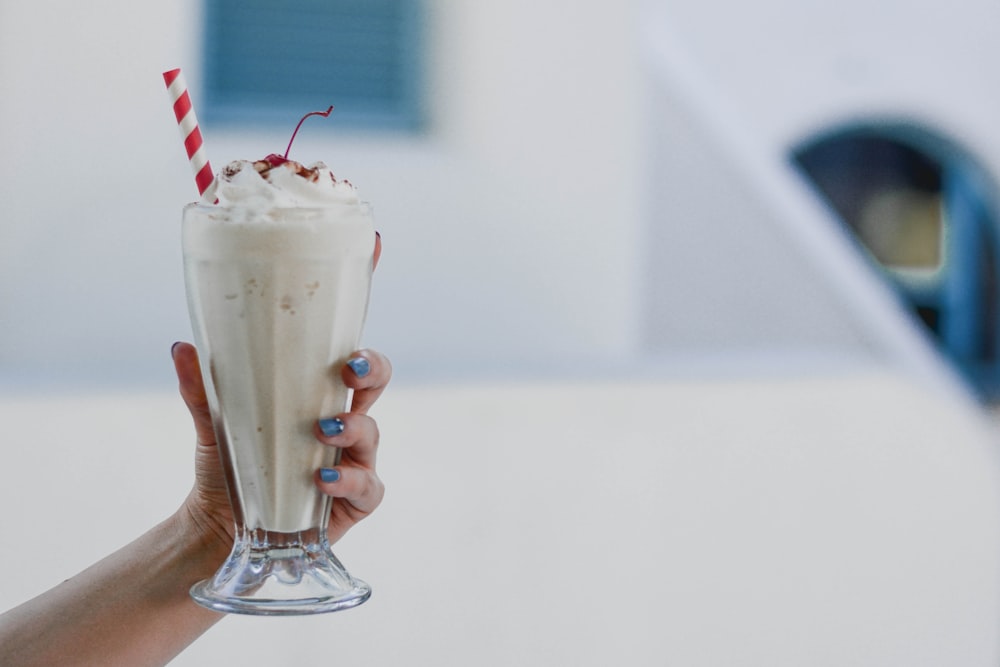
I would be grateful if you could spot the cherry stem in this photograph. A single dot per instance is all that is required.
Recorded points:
(325, 114)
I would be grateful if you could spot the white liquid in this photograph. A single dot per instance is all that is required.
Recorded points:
(277, 304)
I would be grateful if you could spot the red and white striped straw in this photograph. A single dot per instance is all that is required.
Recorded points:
(188, 124)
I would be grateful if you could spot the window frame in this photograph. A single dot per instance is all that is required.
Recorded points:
(251, 108)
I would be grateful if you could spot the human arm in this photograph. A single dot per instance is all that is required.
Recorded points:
(133, 607)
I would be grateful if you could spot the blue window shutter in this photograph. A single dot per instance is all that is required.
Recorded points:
(271, 62)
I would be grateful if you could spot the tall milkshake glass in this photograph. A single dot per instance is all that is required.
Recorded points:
(277, 298)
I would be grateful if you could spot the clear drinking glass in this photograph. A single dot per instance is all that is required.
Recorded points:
(278, 300)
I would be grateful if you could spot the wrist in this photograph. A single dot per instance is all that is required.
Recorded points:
(204, 543)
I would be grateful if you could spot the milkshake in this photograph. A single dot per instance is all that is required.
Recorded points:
(277, 261)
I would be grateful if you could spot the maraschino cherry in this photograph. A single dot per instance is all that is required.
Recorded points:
(274, 159)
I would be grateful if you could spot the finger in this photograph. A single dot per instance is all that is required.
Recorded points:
(367, 372)
(192, 390)
(360, 487)
(378, 250)
(355, 433)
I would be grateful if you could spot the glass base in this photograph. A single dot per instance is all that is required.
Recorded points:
(281, 574)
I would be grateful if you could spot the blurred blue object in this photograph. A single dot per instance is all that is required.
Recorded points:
(923, 210)
(364, 58)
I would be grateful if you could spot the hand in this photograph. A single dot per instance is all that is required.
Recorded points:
(357, 490)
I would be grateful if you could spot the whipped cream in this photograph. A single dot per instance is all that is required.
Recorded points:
(278, 183)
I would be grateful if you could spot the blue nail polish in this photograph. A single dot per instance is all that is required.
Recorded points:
(360, 366)
(329, 474)
(331, 427)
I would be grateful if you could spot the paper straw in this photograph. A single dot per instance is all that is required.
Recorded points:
(188, 124)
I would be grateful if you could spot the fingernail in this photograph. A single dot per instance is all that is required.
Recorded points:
(329, 474)
(173, 348)
(331, 427)
(360, 366)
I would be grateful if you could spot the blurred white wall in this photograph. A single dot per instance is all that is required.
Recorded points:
(789, 67)
(551, 217)
(741, 254)
(510, 228)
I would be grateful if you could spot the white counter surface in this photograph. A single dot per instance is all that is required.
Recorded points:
(832, 519)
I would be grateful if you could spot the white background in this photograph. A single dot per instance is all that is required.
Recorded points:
(778, 471)
(520, 230)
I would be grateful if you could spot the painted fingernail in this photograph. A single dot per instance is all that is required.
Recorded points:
(329, 474)
(360, 366)
(331, 427)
